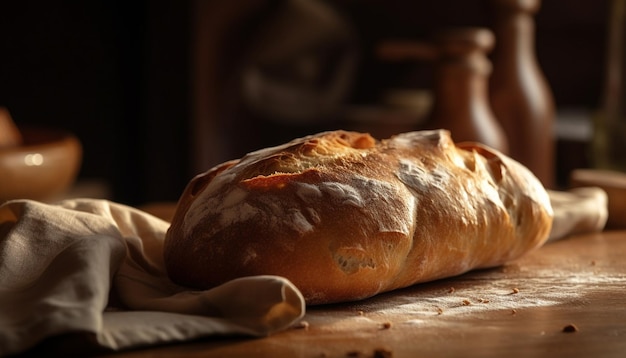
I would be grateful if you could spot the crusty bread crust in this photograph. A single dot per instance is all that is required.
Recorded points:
(345, 217)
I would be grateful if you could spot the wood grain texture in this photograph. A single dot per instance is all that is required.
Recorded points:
(518, 310)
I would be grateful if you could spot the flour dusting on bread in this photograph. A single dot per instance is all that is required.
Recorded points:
(345, 217)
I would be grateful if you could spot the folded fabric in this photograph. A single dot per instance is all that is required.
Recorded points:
(578, 210)
(96, 267)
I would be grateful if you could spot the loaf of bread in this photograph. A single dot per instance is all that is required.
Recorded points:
(344, 216)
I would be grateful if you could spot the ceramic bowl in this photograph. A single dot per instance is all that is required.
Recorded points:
(42, 168)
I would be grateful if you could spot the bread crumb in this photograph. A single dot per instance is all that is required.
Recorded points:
(439, 311)
(515, 290)
(570, 328)
(466, 302)
(451, 290)
(386, 325)
(483, 300)
(513, 311)
(382, 353)
(361, 313)
(593, 262)
(302, 325)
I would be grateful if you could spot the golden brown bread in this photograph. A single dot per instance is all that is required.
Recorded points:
(345, 217)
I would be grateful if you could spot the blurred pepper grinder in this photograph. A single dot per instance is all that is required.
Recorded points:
(519, 94)
(609, 140)
(461, 102)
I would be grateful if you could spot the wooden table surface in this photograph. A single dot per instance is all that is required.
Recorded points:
(567, 299)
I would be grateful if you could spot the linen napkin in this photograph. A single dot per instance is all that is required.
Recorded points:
(578, 210)
(96, 267)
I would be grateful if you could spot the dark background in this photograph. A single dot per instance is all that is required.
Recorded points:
(121, 74)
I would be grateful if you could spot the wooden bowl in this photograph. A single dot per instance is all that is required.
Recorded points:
(44, 166)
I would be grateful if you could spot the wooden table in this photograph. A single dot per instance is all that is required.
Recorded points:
(567, 299)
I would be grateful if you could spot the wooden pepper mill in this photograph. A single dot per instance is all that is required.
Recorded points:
(461, 93)
(519, 93)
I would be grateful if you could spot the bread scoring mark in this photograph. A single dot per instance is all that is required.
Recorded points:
(488, 188)
(231, 207)
(386, 192)
(419, 179)
(359, 194)
(305, 153)
(233, 198)
(307, 192)
(491, 167)
(314, 216)
(346, 194)
(275, 168)
(299, 222)
(467, 161)
(205, 202)
(440, 183)
(280, 214)
(238, 213)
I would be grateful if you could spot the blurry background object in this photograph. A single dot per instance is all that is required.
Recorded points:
(614, 184)
(268, 71)
(42, 166)
(461, 88)
(398, 110)
(609, 140)
(521, 98)
(301, 64)
(153, 89)
(461, 69)
(113, 73)
(609, 126)
(9, 134)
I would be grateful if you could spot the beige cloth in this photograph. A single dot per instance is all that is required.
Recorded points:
(96, 267)
(578, 210)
